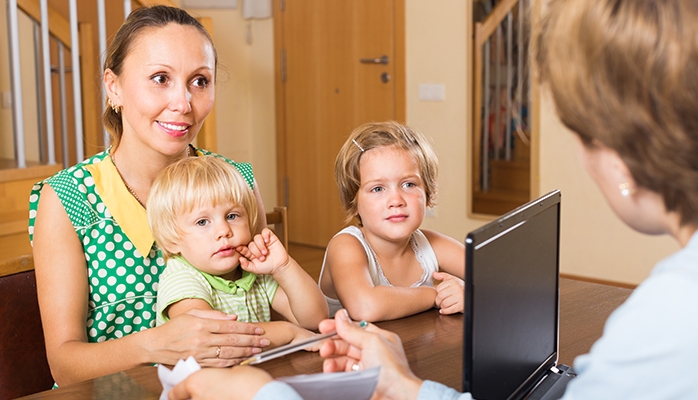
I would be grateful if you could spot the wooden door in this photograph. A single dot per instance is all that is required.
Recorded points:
(324, 91)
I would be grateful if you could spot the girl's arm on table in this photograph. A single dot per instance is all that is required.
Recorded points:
(347, 266)
(62, 287)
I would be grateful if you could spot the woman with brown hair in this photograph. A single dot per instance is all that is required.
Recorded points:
(97, 267)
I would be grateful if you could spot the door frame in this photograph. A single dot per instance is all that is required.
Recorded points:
(280, 88)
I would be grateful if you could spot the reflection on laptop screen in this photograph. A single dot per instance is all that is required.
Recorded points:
(511, 316)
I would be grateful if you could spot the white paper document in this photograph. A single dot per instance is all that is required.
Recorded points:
(355, 385)
(170, 378)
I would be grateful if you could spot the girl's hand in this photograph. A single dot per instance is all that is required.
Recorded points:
(201, 333)
(363, 346)
(264, 254)
(450, 293)
(304, 334)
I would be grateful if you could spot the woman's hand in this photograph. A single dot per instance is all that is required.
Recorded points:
(367, 347)
(218, 384)
(450, 293)
(201, 333)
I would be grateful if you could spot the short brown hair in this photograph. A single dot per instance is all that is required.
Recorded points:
(624, 74)
(382, 134)
(157, 16)
(190, 182)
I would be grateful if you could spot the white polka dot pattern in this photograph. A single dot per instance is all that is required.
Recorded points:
(122, 283)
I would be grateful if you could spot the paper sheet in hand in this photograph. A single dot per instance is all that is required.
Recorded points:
(170, 378)
(355, 385)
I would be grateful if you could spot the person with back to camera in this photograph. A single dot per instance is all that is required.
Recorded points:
(385, 267)
(623, 76)
(201, 212)
(96, 268)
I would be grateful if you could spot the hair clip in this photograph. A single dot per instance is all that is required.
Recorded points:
(357, 145)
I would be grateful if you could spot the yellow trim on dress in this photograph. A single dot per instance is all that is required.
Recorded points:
(125, 209)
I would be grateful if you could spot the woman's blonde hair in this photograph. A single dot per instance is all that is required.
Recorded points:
(382, 134)
(624, 74)
(193, 181)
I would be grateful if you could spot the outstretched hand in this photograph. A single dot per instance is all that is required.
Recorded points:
(265, 254)
(450, 293)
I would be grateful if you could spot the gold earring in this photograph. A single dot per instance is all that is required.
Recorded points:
(625, 189)
(117, 109)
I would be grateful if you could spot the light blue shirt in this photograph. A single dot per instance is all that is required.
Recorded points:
(650, 343)
(277, 390)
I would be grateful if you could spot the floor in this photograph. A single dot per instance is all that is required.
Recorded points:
(310, 258)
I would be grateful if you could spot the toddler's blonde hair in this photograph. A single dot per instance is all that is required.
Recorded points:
(194, 181)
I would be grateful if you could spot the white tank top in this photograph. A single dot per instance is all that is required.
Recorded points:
(422, 250)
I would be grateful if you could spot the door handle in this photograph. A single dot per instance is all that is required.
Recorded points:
(382, 60)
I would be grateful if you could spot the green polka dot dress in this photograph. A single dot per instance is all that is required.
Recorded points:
(123, 263)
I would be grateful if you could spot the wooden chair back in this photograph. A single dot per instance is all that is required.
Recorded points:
(278, 220)
(24, 368)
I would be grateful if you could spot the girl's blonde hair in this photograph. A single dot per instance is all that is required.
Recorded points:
(624, 75)
(382, 134)
(193, 181)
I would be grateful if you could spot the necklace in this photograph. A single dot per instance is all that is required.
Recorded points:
(130, 190)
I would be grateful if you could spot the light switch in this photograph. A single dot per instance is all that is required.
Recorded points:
(6, 99)
(432, 92)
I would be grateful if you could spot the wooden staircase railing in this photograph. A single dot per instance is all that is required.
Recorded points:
(16, 183)
(500, 175)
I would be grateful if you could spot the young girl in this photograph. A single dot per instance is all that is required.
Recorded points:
(201, 212)
(385, 267)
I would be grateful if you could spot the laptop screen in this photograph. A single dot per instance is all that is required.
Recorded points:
(512, 304)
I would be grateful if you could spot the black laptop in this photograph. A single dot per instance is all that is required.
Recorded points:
(512, 305)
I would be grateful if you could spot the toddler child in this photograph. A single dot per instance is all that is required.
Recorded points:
(201, 212)
(385, 267)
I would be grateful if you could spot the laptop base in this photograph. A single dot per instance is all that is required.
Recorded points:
(552, 387)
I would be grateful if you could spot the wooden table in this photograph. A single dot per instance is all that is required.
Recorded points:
(433, 344)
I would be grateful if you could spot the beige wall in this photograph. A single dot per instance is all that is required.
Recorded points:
(595, 243)
(245, 94)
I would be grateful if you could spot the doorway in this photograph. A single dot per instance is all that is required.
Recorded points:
(338, 64)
